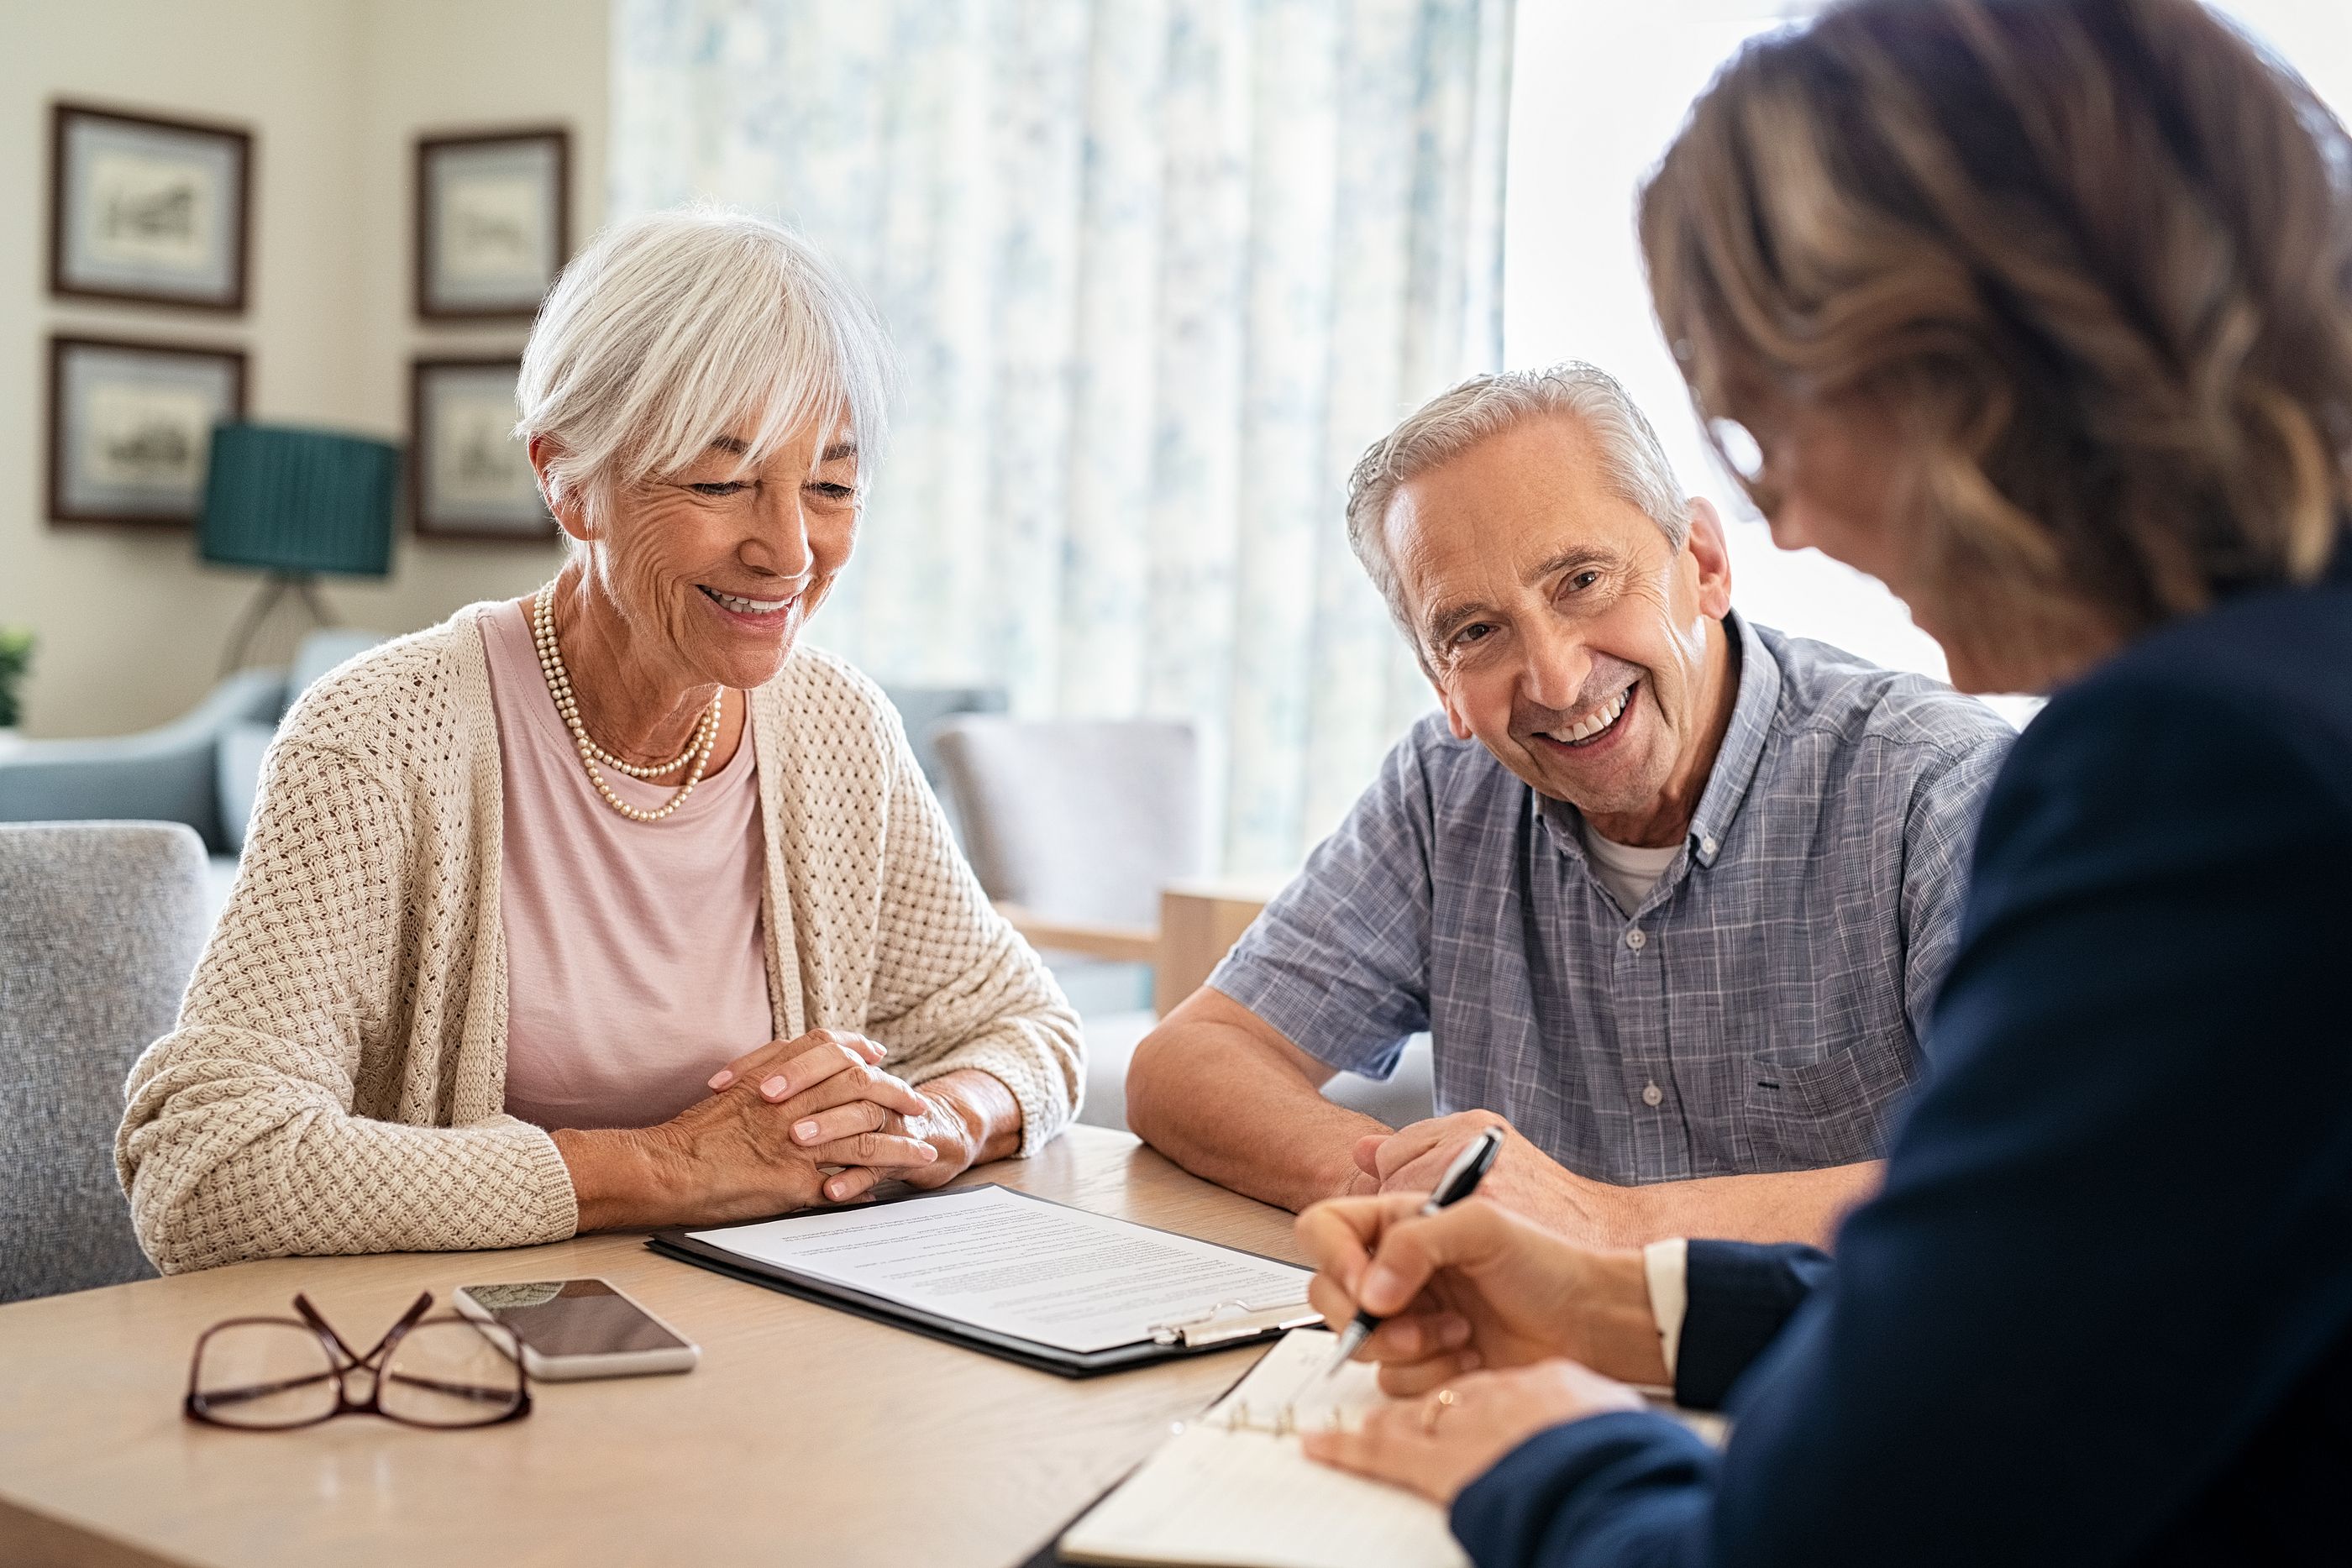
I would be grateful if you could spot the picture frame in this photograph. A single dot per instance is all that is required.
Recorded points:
(130, 427)
(493, 222)
(149, 211)
(469, 477)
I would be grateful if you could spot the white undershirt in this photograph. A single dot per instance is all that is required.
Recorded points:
(1627, 871)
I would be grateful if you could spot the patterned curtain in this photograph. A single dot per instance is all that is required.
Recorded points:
(1157, 271)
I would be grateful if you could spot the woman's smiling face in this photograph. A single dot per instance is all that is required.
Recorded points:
(714, 569)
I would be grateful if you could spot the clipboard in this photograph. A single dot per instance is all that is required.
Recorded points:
(1228, 1325)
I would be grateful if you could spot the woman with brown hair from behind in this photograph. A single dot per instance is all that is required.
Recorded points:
(2040, 312)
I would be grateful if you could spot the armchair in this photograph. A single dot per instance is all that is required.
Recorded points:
(1090, 838)
(168, 774)
(201, 768)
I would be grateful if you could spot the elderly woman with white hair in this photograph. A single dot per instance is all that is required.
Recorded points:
(614, 905)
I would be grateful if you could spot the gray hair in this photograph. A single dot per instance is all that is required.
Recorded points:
(671, 330)
(1633, 464)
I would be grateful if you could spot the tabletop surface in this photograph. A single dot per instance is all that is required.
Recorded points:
(805, 1436)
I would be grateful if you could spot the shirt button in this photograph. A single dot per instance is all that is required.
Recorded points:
(1652, 1095)
(1636, 939)
(1706, 846)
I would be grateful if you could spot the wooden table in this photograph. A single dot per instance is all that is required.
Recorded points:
(806, 1436)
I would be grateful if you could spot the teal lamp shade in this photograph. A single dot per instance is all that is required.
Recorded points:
(299, 501)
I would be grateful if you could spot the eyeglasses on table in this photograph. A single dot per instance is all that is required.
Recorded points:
(273, 1374)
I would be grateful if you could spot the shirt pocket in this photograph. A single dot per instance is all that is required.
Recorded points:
(1834, 1111)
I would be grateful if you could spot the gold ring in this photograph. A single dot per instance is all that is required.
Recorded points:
(1436, 1407)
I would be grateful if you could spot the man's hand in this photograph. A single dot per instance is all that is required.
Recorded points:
(1524, 1179)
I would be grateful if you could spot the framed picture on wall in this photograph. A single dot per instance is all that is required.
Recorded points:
(470, 478)
(130, 425)
(155, 211)
(493, 222)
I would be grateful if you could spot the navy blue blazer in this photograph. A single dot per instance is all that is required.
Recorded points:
(1738, 1296)
(2101, 1311)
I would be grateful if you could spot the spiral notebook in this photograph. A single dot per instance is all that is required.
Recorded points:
(1235, 1489)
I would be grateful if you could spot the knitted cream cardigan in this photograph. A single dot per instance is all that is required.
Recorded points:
(337, 1078)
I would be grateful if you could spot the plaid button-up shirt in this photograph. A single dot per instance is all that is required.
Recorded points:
(1760, 1011)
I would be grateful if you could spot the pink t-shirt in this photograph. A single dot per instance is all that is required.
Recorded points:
(636, 961)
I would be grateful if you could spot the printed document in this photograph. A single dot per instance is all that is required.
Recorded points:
(1002, 1260)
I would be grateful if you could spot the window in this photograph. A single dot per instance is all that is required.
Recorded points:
(1598, 91)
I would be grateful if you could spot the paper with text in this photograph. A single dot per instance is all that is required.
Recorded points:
(1002, 1260)
(1235, 1489)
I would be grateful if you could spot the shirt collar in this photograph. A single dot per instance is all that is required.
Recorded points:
(1752, 707)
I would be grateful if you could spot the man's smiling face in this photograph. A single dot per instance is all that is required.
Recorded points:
(1563, 629)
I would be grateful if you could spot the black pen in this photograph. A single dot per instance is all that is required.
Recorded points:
(1461, 1179)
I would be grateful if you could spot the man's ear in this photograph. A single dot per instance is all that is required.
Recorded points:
(1710, 551)
(570, 514)
(1454, 716)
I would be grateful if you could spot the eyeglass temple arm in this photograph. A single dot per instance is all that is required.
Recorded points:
(417, 1309)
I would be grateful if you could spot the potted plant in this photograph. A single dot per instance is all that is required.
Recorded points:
(16, 658)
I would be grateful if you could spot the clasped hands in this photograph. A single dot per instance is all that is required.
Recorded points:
(793, 1124)
(825, 1094)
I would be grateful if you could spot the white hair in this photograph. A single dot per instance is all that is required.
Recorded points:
(673, 329)
(1632, 464)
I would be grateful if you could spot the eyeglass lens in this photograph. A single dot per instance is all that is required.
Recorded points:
(265, 1375)
(445, 1373)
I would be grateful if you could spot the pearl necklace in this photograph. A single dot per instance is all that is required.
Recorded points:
(695, 757)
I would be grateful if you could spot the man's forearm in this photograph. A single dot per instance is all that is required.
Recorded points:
(1219, 1108)
(1784, 1206)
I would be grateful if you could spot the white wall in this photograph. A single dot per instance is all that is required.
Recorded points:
(131, 628)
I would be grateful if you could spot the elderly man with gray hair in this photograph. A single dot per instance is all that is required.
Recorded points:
(1671, 892)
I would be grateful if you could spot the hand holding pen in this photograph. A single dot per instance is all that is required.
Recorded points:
(1474, 1284)
(1461, 1179)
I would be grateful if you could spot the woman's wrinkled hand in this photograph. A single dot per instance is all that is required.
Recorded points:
(796, 1122)
(733, 1155)
(1475, 1285)
(838, 1108)
(1441, 1442)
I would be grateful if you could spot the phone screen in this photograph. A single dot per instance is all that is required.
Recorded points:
(573, 1317)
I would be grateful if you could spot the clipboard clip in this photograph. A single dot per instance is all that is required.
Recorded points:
(1232, 1321)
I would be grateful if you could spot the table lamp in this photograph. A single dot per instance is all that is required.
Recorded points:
(295, 503)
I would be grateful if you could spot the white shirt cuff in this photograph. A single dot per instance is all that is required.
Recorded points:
(1666, 1266)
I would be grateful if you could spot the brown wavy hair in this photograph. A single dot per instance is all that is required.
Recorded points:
(2094, 258)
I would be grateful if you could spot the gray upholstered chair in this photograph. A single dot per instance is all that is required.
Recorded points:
(1078, 821)
(99, 926)
(1076, 828)
(923, 710)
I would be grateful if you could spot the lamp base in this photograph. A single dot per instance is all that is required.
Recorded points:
(303, 585)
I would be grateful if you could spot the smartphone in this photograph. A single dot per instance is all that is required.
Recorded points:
(579, 1328)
